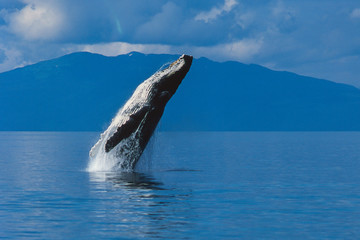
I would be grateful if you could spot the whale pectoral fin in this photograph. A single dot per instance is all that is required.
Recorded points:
(125, 130)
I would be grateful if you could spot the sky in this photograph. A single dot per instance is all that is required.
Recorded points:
(313, 38)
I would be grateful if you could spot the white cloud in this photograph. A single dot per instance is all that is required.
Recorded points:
(11, 58)
(282, 34)
(242, 50)
(37, 20)
(117, 48)
(216, 12)
(355, 13)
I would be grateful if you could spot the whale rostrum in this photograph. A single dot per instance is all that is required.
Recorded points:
(131, 129)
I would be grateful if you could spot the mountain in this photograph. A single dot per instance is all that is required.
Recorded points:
(83, 91)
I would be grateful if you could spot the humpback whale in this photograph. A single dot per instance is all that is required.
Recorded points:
(122, 144)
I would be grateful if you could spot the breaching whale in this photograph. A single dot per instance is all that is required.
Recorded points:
(122, 144)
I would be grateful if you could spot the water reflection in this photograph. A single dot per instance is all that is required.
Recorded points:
(138, 205)
(133, 180)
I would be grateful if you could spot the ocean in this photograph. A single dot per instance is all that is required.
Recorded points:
(188, 185)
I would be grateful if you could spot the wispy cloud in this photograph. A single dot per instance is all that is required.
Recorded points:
(10, 58)
(215, 12)
(355, 13)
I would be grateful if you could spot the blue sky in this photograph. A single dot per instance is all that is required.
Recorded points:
(314, 38)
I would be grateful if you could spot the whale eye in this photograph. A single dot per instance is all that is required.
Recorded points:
(162, 98)
(165, 95)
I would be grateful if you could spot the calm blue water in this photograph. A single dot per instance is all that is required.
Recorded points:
(189, 186)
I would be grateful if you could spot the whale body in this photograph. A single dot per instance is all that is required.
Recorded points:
(122, 144)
